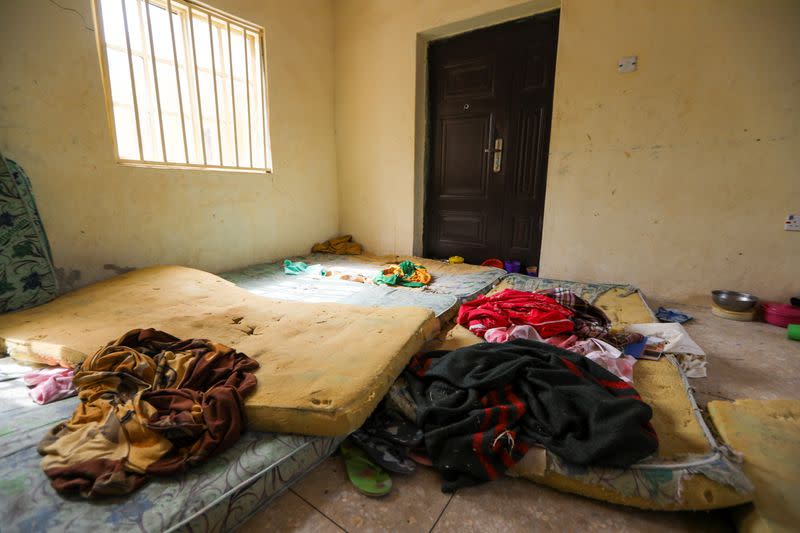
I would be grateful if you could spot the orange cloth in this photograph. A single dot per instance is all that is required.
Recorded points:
(343, 245)
(406, 273)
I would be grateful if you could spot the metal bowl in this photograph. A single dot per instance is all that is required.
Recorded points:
(734, 301)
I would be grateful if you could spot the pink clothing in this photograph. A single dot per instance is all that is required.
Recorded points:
(599, 351)
(511, 333)
(564, 340)
(49, 384)
(606, 356)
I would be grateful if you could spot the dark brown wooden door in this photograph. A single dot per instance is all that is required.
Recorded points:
(491, 100)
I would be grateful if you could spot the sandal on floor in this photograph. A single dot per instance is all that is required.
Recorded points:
(391, 427)
(367, 477)
(385, 454)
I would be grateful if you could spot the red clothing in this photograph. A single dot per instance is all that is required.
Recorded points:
(510, 308)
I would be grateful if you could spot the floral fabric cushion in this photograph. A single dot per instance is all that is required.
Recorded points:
(27, 276)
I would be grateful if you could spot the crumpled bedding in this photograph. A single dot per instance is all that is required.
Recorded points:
(344, 245)
(483, 406)
(511, 307)
(556, 316)
(590, 321)
(406, 274)
(151, 404)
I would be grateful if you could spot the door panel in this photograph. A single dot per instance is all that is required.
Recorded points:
(464, 170)
(469, 79)
(487, 86)
(460, 228)
(529, 155)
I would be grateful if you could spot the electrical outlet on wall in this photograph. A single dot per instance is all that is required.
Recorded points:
(627, 64)
(792, 223)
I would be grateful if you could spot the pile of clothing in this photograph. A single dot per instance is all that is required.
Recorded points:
(150, 404)
(481, 408)
(344, 245)
(551, 375)
(556, 316)
(406, 274)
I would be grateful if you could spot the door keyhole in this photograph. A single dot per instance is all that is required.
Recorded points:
(466, 107)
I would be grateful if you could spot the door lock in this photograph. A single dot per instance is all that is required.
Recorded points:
(497, 160)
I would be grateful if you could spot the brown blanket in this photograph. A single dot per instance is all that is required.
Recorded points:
(151, 404)
(344, 245)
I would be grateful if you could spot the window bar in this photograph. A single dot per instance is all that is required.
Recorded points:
(178, 83)
(155, 79)
(233, 95)
(133, 80)
(262, 63)
(214, 83)
(197, 86)
(247, 91)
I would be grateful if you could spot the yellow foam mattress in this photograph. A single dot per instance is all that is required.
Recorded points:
(666, 483)
(767, 434)
(324, 367)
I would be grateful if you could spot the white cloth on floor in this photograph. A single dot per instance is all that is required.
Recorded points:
(678, 340)
(694, 366)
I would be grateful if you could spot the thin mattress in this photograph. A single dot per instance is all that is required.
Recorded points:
(323, 369)
(767, 434)
(310, 354)
(218, 495)
(451, 285)
(691, 471)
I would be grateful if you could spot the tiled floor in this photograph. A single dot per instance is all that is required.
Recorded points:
(744, 359)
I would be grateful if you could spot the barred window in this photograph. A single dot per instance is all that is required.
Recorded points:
(186, 90)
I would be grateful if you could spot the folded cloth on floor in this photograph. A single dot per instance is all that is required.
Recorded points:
(343, 245)
(50, 384)
(511, 307)
(590, 321)
(481, 407)
(678, 339)
(407, 274)
(151, 404)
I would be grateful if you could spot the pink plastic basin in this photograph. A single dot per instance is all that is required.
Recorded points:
(781, 314)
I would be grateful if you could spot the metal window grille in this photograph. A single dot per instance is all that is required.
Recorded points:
(185, 85)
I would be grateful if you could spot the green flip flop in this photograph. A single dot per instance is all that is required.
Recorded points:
(367, 477)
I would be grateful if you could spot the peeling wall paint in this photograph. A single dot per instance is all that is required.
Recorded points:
(96, 213)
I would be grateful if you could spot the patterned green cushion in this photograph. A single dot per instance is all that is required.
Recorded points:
(27, 276)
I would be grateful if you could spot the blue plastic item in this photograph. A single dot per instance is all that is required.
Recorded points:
(672, 315)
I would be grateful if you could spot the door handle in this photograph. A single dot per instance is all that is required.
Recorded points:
(497, 160)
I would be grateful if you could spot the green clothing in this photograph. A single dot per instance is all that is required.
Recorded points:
(294, 268)
(404, 274)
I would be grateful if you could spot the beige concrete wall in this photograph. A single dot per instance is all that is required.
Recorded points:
(53, 122)
(675, 178)
(380, 95)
